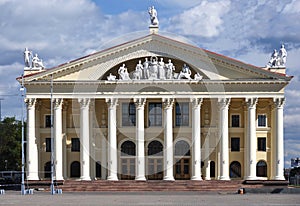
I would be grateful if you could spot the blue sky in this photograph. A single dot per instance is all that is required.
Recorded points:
(62, 30)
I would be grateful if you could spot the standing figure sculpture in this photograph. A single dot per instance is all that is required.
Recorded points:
(153, 16)
(161, 69)
(27, 56)
(282, 54)
(146, 68)
(138, 73)
(170, 68)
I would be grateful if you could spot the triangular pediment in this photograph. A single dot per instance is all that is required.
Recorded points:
(101, 65)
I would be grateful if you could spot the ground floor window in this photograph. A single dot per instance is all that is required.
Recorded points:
(155, 160)
(182, 158)
(128, 160)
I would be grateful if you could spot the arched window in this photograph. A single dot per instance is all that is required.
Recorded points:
(75, 169)
(128, 148)
(155, 148)
(47, 170)
(182, 148)
(235, 169)
(261, 169)
(212, 169)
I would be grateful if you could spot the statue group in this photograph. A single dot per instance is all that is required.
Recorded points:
(32, 62)
(154, 69)
(278, 59)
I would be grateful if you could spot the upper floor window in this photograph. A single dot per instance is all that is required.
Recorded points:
(262, 120)
(235, 144)
(128, 114)
(75, 145)
(47, 120)
(261, 144)
(235, 120)
(155, 114)
(48, 144)
(182, 114)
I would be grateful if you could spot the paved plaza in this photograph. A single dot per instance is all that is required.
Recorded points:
(149, 198)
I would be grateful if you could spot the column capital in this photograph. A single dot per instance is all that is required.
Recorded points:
(57, 103)
(30, 102)
(111, 102)
(84, 102)
(168, 103)
(279, 102)
(139, 102)
(251, 102)
(196, 102)
(223, 102)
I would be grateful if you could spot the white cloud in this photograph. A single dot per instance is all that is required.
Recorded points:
(202, 20)
(293, 7)
(179, 3)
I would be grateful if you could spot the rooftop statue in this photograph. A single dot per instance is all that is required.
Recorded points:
(278, 59)
(27, 56)
(153, 16)
(37, 62)
(32, 62)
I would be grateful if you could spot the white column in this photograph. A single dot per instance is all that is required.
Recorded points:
(112, 140)
(279, 145)
(223, 132)
(103, 157)
(140, 140)
(168, 139)
(58, 138)
(251, 139)
(32, 147)
(206, 158)
(196, 138)
(84, 139)
(64, 144)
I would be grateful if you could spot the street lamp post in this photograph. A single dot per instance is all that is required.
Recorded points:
(23, 156)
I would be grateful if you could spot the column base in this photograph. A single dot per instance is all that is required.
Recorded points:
(112, 178)
(196, 178)
(169, 178)
(224, 178)
(59, 178)
(278, 178)
(207, 178)
(140, 178)
(33, 177)
(250, 178)
(85, 178)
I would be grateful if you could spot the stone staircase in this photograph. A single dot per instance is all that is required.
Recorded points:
(154, 185)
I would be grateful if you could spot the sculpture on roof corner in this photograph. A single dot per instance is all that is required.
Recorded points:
(278, 59)
(32, 62)
(153, 16)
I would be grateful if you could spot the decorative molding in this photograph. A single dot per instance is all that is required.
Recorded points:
(139, 102)
(279, 102)
(223, 103)
(111, 102)
(57, 103)
(251, 102)
(84, 102)
(168, 103)
(30, 102)
(196, 102)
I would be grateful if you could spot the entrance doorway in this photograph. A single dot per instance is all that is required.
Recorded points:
(182, 157)
(128, 160)
(155, 160)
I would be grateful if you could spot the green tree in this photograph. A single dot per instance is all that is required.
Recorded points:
(10, 144)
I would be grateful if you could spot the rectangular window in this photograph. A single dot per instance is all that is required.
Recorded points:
(48, 144)
(235, 120)
(182, 114)
(261, 144)
(262, 120)
(155, 114)
(235, 144)
(47, 121)
(128, 114)
(75, 145)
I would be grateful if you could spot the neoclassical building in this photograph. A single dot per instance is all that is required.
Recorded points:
(155, 108)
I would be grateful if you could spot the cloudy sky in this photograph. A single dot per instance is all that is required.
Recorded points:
(62, 30)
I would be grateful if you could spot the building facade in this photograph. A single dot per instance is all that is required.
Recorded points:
(155, 108)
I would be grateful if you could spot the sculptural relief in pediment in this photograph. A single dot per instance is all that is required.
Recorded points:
(153, 68)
